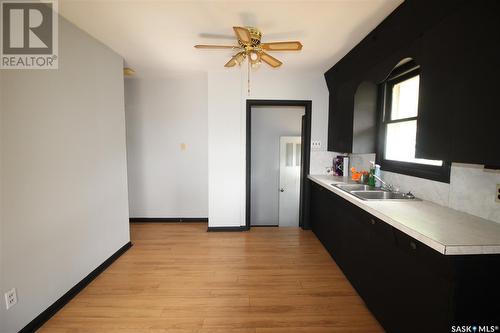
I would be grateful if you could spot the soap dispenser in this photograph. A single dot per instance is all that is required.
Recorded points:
(371, 176)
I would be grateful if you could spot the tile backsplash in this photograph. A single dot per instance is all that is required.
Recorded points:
(471, 189)
(320, 161)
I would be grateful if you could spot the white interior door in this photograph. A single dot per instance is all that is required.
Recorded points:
(289, 190)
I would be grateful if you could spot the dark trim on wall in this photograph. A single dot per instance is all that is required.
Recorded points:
(306, 154)
(168, 219)
(265, 226)
(219, 229)
(43, 317)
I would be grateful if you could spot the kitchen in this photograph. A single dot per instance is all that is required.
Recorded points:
(140, 174)
(417, 97)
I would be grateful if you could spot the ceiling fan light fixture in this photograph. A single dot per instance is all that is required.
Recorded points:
(254, 57)
(256, 65)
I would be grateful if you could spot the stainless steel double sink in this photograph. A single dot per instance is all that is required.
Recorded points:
(370, 193)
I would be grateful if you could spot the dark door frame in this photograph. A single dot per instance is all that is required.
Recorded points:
(306, 151)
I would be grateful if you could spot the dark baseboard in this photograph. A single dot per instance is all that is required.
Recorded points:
(265, 226)
(43, 317)
(218, 229)
(168, 219)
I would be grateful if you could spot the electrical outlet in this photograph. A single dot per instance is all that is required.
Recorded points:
(10, 298)
(315, 145)
(497, 194)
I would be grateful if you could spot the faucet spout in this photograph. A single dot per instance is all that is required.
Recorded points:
(385, 185)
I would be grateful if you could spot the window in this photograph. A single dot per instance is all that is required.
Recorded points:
(398, 128)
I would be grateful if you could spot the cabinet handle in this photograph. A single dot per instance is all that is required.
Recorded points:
(372, 221)
(413, 245)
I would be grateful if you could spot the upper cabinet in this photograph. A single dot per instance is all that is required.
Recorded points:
(457, 46)
(340, 122)
(353, 118)
(460, 66)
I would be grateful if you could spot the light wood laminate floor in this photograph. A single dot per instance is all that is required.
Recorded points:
(180, 278)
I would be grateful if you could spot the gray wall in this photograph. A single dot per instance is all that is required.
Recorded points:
(2, 289)
(268, 124)
(166, 180)
(64, 207)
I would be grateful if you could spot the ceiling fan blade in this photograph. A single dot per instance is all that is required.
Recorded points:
(243, 34)
(282, 46)
(216, 36)
(216, 47)
(231, 63)
(272, 61)
(236, 59)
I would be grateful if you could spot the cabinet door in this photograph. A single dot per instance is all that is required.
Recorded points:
(437, 92)
(424, 290)
(476, 125)
(340, 118)
(320, 217)
(386, 290)
(477, 290)
(458, 112)
(351, 244)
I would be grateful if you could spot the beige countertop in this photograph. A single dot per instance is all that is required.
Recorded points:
(446, 230)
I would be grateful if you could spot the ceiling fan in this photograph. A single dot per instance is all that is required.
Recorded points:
(249, 45)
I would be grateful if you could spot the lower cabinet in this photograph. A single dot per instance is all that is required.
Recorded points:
(408, 286)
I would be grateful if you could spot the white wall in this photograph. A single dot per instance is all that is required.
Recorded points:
(226, 163)
(471, 189)
(164, 179)
(227, 94)
(63, 173)
(268, 125)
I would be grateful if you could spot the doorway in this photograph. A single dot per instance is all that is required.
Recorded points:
(277, 163)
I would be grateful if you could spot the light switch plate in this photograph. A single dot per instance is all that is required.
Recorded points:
(497, 194)
(10, 298)
(316, 145)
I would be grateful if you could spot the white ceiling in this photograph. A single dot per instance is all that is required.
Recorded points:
(157, 37)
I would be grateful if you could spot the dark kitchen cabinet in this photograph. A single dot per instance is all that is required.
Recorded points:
(340, 124)
(460, 69)
(321, 215)
(408, 286)
(353, 118)
(459, 58)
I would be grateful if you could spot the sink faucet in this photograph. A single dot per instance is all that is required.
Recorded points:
(385, 185)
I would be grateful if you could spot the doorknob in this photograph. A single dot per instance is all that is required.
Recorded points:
(282, 190)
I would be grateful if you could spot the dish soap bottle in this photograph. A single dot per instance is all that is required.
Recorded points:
(377, 174)
(371, 176)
